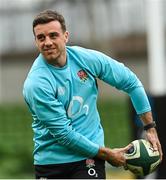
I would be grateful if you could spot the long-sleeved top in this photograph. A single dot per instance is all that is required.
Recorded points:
(62, 101)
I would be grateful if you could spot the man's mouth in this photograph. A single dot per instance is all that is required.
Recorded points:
(49, 49)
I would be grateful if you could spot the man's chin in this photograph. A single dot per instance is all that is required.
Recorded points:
(50, 58)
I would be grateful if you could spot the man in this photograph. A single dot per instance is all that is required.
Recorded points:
(61, 92)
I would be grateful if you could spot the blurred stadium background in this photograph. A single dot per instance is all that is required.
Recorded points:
(115, 27)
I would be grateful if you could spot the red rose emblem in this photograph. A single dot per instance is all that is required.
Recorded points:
(82, 75)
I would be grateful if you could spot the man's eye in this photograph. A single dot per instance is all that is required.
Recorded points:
(53, 35)
(40, 37)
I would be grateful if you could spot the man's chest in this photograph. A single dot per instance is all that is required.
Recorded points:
(74, 85)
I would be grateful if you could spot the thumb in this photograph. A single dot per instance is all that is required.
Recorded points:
(125, 149)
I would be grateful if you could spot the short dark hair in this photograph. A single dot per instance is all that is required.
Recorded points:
(47, 16)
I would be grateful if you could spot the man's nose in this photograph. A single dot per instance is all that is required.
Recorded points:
(48, 41)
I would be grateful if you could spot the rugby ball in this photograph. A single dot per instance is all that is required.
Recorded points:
(141, 159)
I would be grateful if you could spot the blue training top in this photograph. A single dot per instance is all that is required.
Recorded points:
(62, 101)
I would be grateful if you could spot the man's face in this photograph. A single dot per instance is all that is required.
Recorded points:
(51, 40)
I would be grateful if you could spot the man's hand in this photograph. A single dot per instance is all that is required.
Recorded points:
(115, 157)
(152, 137)
(151, 134)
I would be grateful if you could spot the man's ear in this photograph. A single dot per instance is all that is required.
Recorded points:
(66, 35)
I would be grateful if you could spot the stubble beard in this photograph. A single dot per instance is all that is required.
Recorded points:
(55, 58)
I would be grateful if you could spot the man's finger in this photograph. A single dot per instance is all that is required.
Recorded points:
(125, 149)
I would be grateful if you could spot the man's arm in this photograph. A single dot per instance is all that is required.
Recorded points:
(151, 132)
(113, 156)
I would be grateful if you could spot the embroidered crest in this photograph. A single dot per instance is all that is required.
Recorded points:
(82, 75)
(90, 163)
